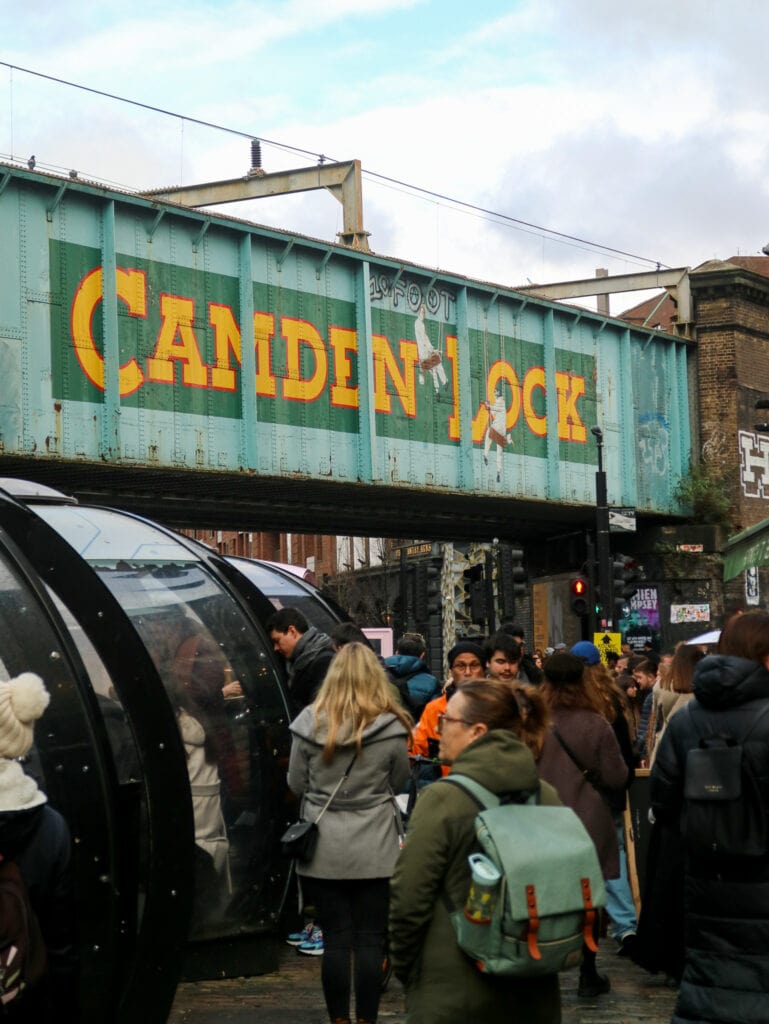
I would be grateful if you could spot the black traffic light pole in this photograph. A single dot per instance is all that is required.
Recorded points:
(606, 616)
(593, 585)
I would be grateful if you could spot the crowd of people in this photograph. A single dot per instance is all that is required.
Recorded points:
(568, 723)
(371, 740)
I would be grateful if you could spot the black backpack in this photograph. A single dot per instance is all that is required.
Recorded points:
(724, 815)
(23, 958)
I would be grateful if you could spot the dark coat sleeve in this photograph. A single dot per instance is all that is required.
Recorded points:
(643, 725)
(667, 778)
(305, 684)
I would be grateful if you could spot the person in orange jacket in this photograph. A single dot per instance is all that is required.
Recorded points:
(466, 661)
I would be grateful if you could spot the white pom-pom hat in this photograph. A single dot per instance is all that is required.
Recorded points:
(22, 702)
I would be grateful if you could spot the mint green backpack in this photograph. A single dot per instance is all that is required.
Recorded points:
(535, 920)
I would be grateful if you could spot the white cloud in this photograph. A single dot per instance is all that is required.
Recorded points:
(642, 126)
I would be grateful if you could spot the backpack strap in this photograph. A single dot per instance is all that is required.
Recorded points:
(707, 720)
(484, 797)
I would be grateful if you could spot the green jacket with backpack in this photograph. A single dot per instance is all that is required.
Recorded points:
(442, 985)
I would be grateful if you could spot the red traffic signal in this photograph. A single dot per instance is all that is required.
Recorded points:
(579, 592)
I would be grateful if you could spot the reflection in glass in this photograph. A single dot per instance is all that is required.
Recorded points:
(219, 676)
(66, 766)
(285, 591)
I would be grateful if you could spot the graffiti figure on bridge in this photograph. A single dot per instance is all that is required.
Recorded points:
(496, 430)
(429, 357)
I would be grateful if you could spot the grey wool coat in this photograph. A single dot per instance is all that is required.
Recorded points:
(442, 985)
(358, 834)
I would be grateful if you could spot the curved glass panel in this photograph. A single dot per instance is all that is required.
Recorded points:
(66, 764)
(285, 591)
(220, 677)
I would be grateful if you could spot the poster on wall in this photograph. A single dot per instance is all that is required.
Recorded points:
(699, 613)
(752, 587)
(640, 620)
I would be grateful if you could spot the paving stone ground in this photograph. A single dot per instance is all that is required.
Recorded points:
(293, 995)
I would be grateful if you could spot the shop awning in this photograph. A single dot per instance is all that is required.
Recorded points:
(743, 550)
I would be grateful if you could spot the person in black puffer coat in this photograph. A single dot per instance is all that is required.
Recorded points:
(726, 970)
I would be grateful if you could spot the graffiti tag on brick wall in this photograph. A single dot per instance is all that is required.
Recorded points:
(754, 464)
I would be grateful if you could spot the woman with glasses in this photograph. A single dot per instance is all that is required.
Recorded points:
(466, 661)
(355, 733)
(478, 732)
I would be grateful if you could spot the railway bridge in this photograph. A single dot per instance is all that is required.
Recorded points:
(209, 371)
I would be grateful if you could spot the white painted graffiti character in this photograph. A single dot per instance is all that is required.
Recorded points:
(496, 430)
(429, 357)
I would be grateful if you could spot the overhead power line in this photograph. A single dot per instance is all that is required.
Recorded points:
(442, 197)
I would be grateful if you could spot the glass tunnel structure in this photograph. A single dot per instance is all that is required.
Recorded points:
(172, 785)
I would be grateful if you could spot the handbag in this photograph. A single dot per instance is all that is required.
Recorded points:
(299, 840)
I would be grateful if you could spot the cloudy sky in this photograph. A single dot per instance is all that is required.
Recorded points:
(641, 126)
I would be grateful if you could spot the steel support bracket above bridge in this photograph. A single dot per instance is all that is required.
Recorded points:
(56, 200)
(342, 180)
(675, 281)
(201, 234)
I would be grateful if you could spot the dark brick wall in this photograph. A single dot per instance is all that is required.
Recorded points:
(731, 312)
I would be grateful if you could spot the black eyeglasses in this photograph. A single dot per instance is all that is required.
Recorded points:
(448, 718)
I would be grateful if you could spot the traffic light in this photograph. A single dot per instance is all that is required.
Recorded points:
(427, 591)
(511, 585)
(579, 596)
(626, 575)
(434, 601)
(478, 608)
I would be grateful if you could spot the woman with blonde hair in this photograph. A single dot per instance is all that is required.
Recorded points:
(673, 690)
(349, 755)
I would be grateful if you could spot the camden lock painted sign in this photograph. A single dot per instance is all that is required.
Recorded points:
(181, 351)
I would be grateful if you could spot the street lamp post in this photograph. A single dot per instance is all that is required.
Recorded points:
(602, 536)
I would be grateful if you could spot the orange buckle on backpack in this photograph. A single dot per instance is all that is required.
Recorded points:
(531, 935)
(587, 902)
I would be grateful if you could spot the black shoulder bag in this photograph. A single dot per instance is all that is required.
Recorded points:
(299, 840)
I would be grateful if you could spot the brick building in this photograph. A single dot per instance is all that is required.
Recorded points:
(321, 555)
(730, 323)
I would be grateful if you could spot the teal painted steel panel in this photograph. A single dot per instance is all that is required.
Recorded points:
(359, 368)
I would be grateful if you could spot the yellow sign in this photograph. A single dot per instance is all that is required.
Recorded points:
(419, 549)
(606, 642)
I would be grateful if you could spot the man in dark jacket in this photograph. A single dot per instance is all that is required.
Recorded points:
(726, 898)
(528, 667)
(307, 651)
(408, 668)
